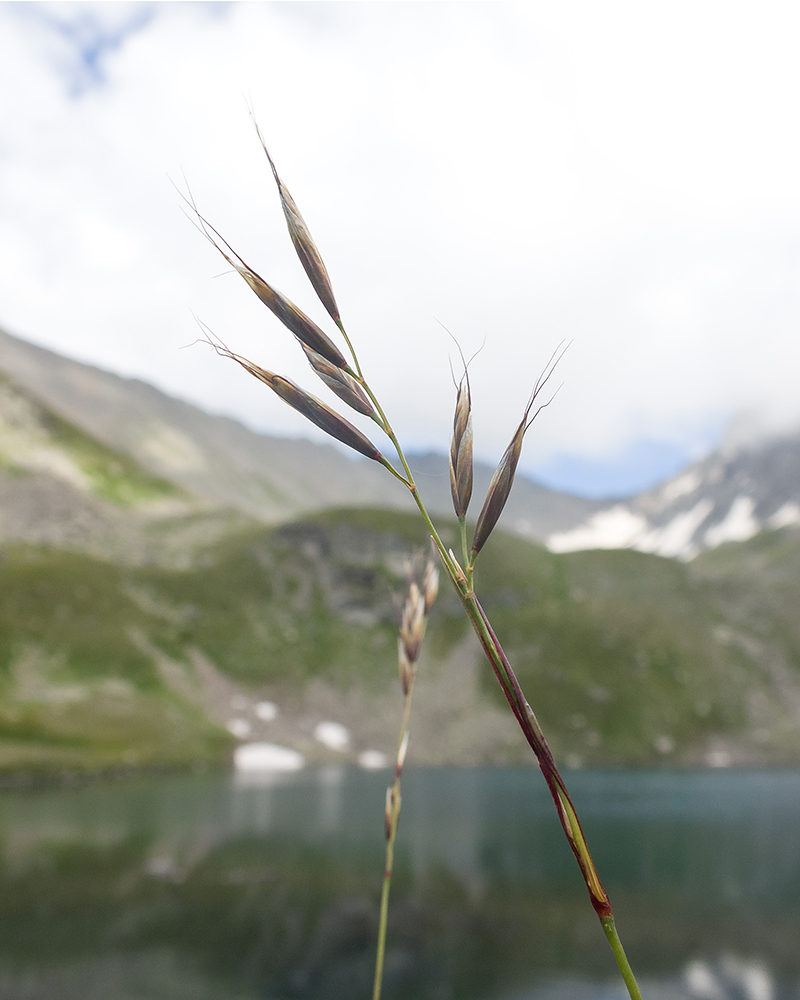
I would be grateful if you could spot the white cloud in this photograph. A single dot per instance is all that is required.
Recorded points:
(622, 176)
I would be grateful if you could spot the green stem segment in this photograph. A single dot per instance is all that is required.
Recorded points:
(387, 884)
(558, 789)
(622, 959)
(462, 526)
(450, 564)
(535, 737)
(393, 803)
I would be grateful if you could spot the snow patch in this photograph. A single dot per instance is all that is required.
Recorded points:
(738, 524)
(160, 867)
(664, 744)
(621, 528)
(333, 735)
(784, 516)
(266, 757)
(372, 760)
(617, 528)
(675, 538)
(240, 728)
(679, 487)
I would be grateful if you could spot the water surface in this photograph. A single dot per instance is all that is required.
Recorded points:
(207, 887)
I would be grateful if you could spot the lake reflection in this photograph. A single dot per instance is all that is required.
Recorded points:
(207, 887)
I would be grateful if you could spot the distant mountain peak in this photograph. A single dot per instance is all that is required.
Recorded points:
(750, 484)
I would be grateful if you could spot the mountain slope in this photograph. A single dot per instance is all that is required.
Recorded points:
(221, 462)
(60, 486)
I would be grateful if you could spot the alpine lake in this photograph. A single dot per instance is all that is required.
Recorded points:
(266, 887)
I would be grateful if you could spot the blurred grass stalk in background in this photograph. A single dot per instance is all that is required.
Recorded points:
(416, 609)
(348, 382)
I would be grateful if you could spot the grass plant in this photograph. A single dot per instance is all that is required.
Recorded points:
(346, 379)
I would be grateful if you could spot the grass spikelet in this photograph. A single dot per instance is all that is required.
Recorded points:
(305, 329)
(405, 667)
(430, 585)
(503, 478)
(303, 243)
(294, 319)
(338, 381)
(461, 450)
(313, 409)
(412, 624)
(499, 489)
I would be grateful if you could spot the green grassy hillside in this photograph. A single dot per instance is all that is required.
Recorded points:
(626, 658)
(617, 653)
(76, 692)
(35, 437)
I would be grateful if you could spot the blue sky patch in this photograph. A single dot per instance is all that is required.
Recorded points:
(638, 467)
(86, 35)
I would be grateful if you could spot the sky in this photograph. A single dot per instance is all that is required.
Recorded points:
(621, 176)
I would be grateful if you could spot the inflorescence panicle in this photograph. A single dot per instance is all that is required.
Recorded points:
(349, 385)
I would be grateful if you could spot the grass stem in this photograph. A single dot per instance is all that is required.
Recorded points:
(393, 819)
(622, 959)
